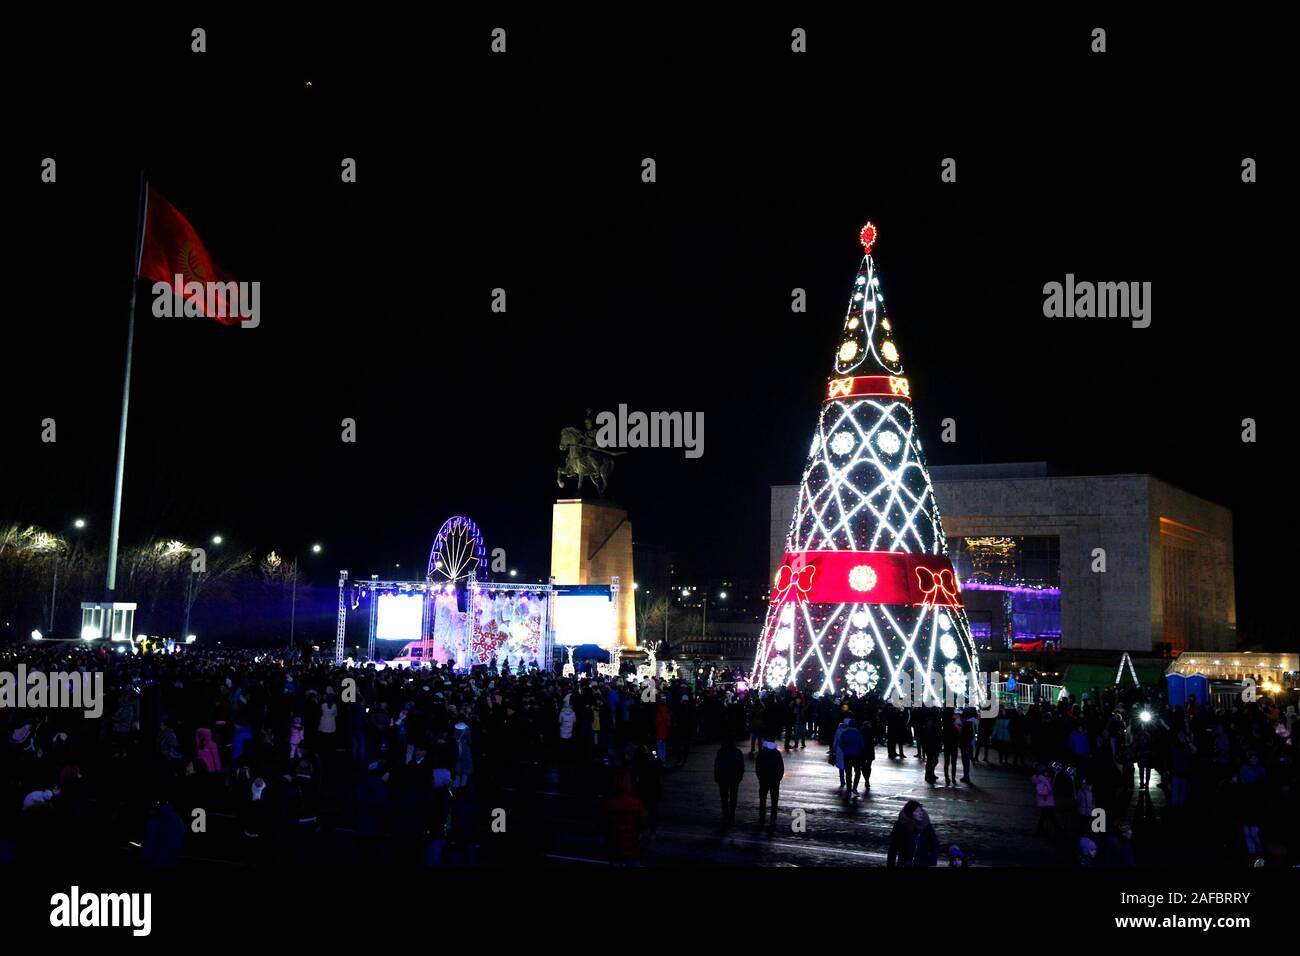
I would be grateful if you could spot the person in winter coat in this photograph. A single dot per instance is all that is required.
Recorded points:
(913, 842)
(169, 747)
(728, 769)
(868, 731)
(851, 746)
(646, 771)
(835, 749)
(1084, 804)
(1002, 736)
(464, 768)
(969, 731)
(327, 725)
(795, 731)
(205, 749)
(164, 838)
(930, 735)
(769, 767)
(1119, 848)
(1087, 853)
(951, 738)
(663, 722)
(1045, 799)
(568, 720)
(624, 815)
(296, 736)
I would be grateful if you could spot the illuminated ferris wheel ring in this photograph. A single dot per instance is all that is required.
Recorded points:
(458, 550)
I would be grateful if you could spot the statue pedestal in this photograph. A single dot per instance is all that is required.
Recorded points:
(591, 543)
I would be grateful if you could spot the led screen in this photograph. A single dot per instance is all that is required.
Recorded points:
(399, 617)
(584, 619)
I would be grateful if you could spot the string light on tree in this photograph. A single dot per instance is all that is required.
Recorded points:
(866, 571)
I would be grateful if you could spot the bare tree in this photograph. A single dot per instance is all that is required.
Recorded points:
(661, 620)
(223, 569)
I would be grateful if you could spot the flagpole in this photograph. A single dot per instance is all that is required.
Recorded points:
(141, 205)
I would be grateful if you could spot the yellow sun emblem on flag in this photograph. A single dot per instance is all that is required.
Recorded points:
(190, 264)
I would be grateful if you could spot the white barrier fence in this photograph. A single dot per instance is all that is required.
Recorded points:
(1026, 694)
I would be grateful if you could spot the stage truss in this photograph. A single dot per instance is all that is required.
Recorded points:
(511, 623)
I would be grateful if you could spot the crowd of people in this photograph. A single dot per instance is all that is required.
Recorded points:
(288, 757)
(1228, 776)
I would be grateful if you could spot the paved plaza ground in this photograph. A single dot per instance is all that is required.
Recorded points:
(992, 820)
(553, 818)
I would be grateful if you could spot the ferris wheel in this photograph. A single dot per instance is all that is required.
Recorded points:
(458, 551)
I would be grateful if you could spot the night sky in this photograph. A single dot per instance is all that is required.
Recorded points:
(523, 172)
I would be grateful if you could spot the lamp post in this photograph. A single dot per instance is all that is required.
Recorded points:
(293, 600)
(217, 541)
(78, 524)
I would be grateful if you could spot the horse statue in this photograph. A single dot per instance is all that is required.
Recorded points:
(584, 459)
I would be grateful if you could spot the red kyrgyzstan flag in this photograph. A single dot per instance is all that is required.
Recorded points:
(172, 248)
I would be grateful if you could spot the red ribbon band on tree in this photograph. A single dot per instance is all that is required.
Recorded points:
(866, 577)
(889, 386)
(788, 580)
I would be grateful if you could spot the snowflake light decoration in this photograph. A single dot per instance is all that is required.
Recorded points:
(778, 672)
(860, 644)
(888, 442)
(948, 646)
(954, 677)
(842, 443)
(862, 578)
(862, 677)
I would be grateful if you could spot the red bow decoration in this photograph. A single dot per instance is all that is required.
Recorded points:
(787, 578)
(938, 588)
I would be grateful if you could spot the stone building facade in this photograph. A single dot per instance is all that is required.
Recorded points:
(1168, 579)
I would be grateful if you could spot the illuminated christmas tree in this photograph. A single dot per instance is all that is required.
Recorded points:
(866, 599)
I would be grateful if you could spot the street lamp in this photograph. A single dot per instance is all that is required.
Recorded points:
(78, 524)
(189, 588)
(293, 601)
